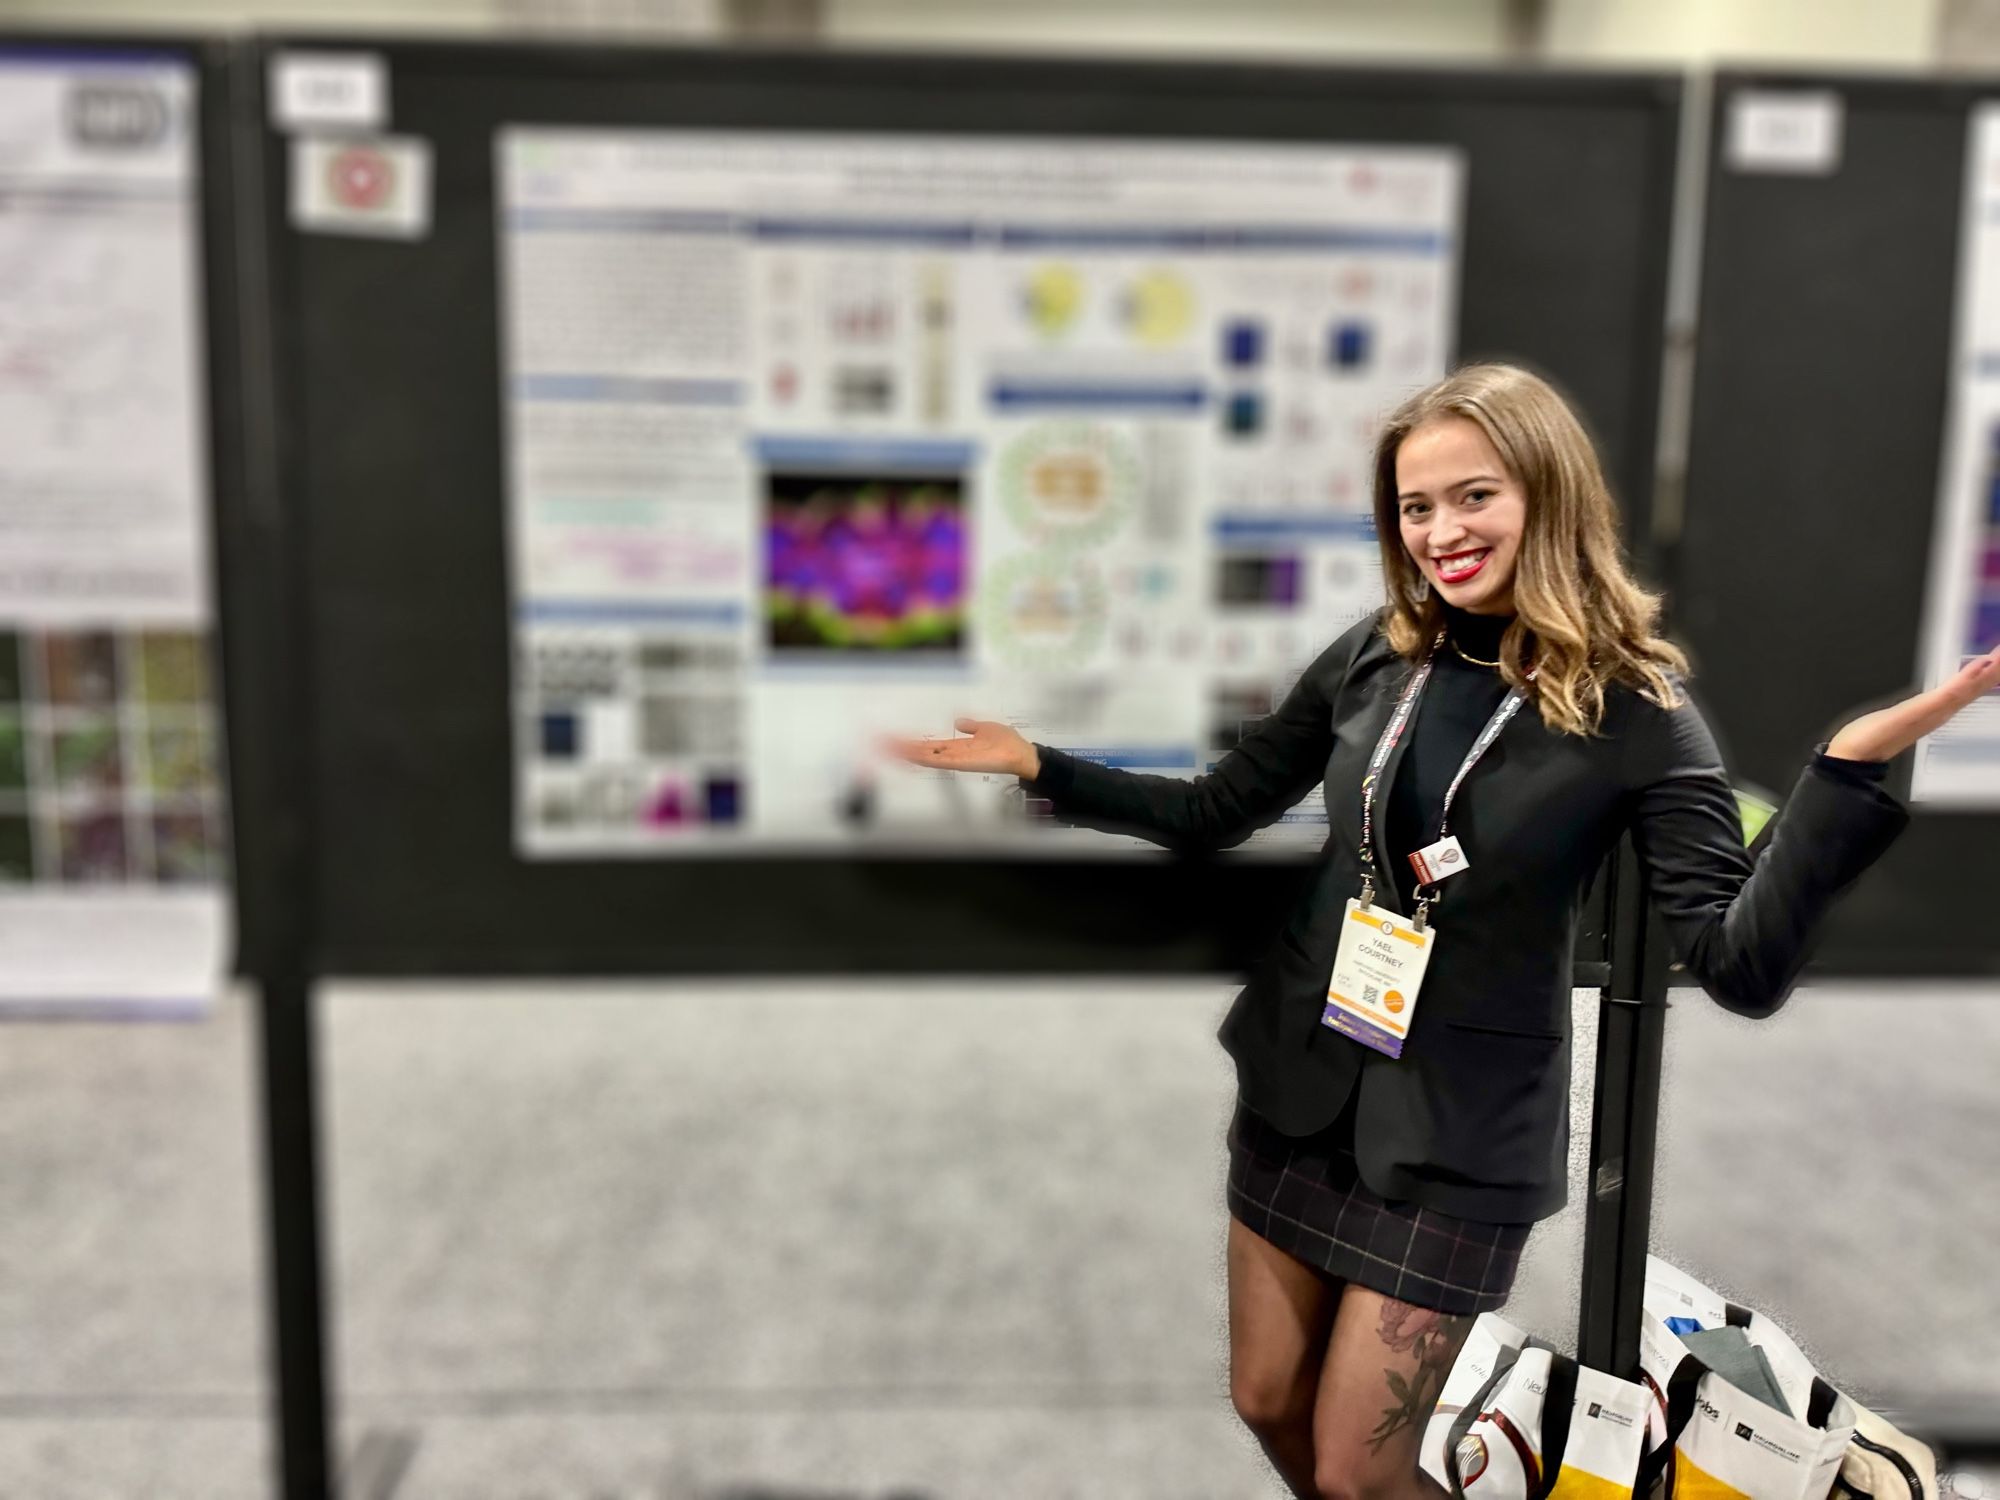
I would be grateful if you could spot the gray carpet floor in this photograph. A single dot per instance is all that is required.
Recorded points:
(716, 1241)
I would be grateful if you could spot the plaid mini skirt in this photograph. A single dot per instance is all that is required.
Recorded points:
(1305, 1195)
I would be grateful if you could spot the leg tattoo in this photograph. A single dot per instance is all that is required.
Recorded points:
(1432, 1338)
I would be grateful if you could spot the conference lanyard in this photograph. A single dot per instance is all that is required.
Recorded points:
(1393, 731)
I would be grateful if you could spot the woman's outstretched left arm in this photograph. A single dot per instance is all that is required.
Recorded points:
(1743, 920)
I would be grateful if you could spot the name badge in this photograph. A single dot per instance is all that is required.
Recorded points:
(1377, 970)
(1439, 862)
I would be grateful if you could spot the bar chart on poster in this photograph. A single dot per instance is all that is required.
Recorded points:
(816, 437)
(1960, 763)
(111, 813)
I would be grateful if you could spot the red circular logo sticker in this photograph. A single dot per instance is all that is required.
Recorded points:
(360, 177)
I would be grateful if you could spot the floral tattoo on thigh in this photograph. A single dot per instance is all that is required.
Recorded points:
(1432, 1338)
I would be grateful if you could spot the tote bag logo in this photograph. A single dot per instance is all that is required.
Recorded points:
(1471, 1458)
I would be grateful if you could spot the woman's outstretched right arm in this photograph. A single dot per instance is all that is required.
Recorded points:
(1270, 769)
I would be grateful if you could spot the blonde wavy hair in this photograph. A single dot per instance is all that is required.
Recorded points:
(1592, 624)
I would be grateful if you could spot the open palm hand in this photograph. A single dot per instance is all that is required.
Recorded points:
(1888, 732)
(986, 746)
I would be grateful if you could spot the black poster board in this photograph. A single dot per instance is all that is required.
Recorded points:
(251, 553)
(390, 451)
(1816, 442)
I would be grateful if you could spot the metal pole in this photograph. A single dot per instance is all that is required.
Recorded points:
(268, 648)
(1631, 1032)
(291, 1186)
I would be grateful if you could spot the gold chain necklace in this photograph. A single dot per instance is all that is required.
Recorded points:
(1476, 661)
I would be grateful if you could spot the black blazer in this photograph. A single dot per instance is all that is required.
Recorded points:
(1473, 1119)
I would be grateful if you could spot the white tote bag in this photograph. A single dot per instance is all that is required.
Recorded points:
(1707, 1440)
(1518, 1421)
(1884, 1464)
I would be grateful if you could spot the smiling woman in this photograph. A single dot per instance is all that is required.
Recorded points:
(1489, 499)
(1399, 1128)
(1461, 514)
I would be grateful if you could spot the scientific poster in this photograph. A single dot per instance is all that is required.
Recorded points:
(816, 436)
(111, 811)
(1959, 765)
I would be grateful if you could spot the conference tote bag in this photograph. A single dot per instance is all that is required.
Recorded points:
(1706, 1439)
(1519, 1421)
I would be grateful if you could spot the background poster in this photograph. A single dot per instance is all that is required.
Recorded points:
(111, 810)
(1959, 765)
(815, 436)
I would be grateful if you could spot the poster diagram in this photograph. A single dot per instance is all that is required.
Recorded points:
(1959, 765)
(112, 824)
(812, 437)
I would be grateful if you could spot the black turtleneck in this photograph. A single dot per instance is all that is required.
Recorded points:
(1456, 704)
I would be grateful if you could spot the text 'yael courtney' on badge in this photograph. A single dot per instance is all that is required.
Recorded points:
(1377, 970)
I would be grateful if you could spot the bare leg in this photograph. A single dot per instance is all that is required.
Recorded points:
(1385, 1367)
(1280, 1317)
